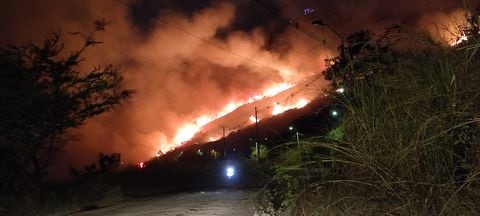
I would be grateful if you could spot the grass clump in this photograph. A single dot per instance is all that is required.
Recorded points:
(407, 142)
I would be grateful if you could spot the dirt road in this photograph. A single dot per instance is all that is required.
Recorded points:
(219, 202)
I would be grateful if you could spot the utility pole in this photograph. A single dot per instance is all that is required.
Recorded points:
(224, 143)
(298, 140)
(256, 136)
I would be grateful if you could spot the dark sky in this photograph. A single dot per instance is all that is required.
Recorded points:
(178, 76)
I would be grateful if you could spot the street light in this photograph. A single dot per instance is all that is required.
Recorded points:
(340, 90)
(291, 128)
(230, 171)
(334, 113)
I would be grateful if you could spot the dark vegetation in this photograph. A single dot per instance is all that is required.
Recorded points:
(407, 138)
(43, 95)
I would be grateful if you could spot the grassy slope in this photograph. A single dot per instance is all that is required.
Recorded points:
(408, 146)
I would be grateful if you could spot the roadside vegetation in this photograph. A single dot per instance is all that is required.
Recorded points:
(44, 94)
(407, 137)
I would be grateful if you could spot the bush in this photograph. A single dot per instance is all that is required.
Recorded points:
(407, 143)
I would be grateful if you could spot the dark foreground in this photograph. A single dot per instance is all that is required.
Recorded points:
(218, 202)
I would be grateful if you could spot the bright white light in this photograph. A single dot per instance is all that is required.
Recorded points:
(253, 119)
(459, 40)
(334, 113)
(230, 172)
(301, 103)
(290, 128)
(186, 133)
(203, 120)
(277, 89)
(340, 90)
(277, 108)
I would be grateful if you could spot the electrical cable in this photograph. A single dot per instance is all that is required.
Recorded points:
(166, 23)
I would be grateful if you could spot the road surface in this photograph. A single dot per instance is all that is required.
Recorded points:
(219, 202)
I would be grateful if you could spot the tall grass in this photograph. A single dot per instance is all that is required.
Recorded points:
(408, 143)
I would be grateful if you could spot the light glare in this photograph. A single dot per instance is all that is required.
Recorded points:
(230, 172)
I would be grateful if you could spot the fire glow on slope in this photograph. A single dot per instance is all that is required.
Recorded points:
(188, 130)
(277, 109)
(458, 40)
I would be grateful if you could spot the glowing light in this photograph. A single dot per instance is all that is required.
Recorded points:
(252, 119)
(277, 89)
(340, 90)
(459, 40)
(308, 11)
(334, 113)
(231, 107)
(164, 148)
(230, 172)
(141, 165)
(186, 133)
(301, 103)
(277, 108)
(228, 109)
(271, 91)
(203, 120)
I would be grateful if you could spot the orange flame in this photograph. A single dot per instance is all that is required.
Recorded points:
(459, 40)
(253, 119)
(277, 109)
(187, 131)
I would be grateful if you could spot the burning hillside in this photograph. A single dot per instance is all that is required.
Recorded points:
(200, 66)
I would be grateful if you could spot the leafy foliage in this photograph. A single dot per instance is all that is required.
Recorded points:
(262, 149)
(43, 94)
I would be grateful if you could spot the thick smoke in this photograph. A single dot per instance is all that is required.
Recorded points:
(178, 76)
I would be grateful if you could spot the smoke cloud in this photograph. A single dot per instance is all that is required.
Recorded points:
(180, 77)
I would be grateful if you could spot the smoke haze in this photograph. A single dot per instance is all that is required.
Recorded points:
(178, 76)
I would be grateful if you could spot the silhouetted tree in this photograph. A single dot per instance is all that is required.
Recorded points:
(90, 169)
(364, 56)
(43, 94)
(108, 162)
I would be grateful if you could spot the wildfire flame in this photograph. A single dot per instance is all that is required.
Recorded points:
(252, 119)
(185, 133)
(277, 109)
(188, 130)
(459, 40)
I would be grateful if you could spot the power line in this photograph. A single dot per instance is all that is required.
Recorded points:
(290, 23)
(239, 55)
(205, 40)
(351, 16)
(284, 101)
